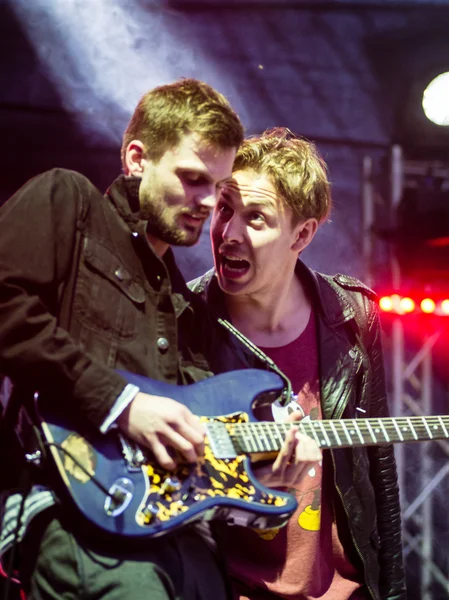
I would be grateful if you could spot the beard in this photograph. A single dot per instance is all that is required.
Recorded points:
(161, 224)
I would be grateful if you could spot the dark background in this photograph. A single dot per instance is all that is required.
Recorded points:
(338, 72)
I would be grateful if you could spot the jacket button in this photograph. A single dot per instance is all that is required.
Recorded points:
(162, 344)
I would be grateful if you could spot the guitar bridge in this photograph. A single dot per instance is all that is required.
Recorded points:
(134, 457)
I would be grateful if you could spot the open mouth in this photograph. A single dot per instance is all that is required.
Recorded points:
(233, 267)
(195, 220)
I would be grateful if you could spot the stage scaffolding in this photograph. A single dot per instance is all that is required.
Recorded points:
(423, 468)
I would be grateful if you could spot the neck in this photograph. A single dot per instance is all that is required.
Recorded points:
(271, 317)
(158, 245)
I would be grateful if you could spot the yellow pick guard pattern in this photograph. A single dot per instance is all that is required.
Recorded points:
(208, 478)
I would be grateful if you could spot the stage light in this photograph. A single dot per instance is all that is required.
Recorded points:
(406, 305)
(386, 303)
(428, 305)
(435, 100)
(414, 305)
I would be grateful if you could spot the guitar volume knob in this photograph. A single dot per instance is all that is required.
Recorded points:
(150, 512)
(170, 485)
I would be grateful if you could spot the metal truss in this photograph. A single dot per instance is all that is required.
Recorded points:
(419, 472)
(422, 468)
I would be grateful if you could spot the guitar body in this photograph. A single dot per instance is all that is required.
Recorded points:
(148, 501)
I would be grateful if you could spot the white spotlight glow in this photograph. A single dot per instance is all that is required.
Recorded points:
(102, 55)
(435, 101)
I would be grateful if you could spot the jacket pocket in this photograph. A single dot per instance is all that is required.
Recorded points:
(108, 299)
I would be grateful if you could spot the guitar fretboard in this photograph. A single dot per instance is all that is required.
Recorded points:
(340, 433)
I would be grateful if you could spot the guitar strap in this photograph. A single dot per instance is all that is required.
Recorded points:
(266, 360)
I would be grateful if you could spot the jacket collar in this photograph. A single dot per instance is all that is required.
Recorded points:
(328, 299)
(336, 351)
(124, 195)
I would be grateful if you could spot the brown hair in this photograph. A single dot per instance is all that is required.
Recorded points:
(295, 168)
(166, 113)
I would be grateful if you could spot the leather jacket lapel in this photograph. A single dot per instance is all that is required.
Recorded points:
(339, 363)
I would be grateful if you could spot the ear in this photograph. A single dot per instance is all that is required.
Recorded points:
(135, 158)
(304, 234)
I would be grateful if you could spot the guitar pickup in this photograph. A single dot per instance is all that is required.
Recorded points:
(220, 441)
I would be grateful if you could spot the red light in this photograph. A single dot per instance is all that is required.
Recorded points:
(445, 307)
(407, 305)
(386, 303)
(428, 305)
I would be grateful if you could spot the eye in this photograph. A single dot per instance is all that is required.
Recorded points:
(256, 217)
(224, 210)
(192, 178)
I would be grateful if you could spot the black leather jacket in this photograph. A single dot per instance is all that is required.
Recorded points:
(364, 480)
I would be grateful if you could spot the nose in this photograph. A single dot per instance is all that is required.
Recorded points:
(232, 231)
(207, 199)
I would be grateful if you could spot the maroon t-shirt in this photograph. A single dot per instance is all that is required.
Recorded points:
(305, 559)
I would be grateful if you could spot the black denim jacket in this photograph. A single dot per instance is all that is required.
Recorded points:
(82, 293)
(363, 480)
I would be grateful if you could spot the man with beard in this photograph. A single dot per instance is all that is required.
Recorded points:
(344, 541)
(88, 285)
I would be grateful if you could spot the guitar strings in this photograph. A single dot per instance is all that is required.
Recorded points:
(363, 431)
(385, 422)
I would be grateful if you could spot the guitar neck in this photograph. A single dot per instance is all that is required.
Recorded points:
(266, 437)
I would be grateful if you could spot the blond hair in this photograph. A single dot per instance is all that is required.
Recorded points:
(168, 112)
(295, 168)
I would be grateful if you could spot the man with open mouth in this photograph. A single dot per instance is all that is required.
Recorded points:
(323, 332)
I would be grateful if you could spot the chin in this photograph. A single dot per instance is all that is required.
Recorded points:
(191, 241)
(230, 287)
(186, 239)
(192, 237)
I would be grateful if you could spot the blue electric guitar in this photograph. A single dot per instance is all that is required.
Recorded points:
(119, 487)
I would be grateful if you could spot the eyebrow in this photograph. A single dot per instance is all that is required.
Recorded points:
(205, 175)
(195, 171)
(267, 200)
